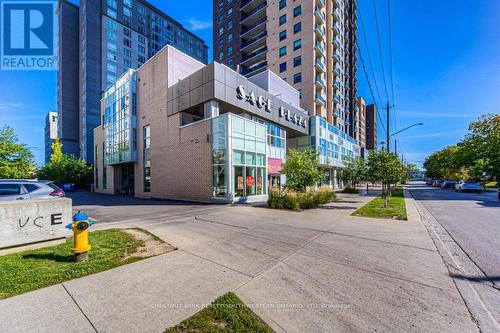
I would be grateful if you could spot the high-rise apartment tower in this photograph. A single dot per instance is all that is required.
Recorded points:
(309, 44)
(113, 37)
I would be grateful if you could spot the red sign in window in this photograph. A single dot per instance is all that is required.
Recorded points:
(274, 165)
(250, 181)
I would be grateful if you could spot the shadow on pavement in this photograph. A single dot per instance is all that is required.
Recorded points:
(476, 278)
(49, 256)
(336, 207)
(83, 198)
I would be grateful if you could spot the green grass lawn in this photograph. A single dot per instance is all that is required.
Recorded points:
(226, 314)
(396, 208)
(29, 270)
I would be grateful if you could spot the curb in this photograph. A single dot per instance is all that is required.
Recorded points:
(475, 293)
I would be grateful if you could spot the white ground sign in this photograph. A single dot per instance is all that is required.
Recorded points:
(23, 222)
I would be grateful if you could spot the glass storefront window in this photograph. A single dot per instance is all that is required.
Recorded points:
(250, 128)
(219, 157)
(260, 132)
(261, 181)
(238, 141)
(238, 181)
(238, 124)
(219, 181)
(238, 157)
(248, 138)
(261, 159)
(250, 158)
(118, 121)
(250, 181)
(247, 161)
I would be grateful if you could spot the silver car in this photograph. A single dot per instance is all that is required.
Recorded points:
(468, 186)
(21, 189)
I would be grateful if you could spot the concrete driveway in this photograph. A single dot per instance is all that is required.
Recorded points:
(312, 271)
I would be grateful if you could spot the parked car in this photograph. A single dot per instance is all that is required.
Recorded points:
(448, 184)
(468, 186)
(437, 182)
(428, 181)
(22, 189)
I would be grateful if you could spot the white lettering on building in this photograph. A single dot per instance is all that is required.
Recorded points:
(266, 103)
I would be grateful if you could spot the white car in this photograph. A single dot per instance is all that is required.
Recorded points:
(21, 189)
(468, 186)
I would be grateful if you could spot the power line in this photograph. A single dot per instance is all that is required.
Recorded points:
(390, 48)
(391, 70)
(370, 87)
(380, 49)
(369, 60)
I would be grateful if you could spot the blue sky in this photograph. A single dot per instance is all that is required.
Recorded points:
(446, 70)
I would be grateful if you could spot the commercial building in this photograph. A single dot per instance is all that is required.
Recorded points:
(112, 37)
(51, 128)
(67, 78)
(309, 44)
(177, 128)
(371, 127)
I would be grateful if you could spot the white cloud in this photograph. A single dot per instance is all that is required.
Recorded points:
(194, 24)
(431, 134)
(10, 105)
(435, 114)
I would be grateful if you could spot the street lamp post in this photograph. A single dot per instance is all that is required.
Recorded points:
(395, 142)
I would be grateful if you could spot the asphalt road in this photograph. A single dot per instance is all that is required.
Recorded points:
(471, 219)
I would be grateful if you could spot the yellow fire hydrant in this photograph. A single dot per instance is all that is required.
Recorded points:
(80, 226)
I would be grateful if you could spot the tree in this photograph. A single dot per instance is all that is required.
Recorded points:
(411, 169)
(354, 171)
(447, 163)
(478, 152)
(57, 154)
(66, 168)
(302, 169)
(386, 168)
(481, 145)
(16, 160)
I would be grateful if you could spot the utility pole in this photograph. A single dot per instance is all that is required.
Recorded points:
(395, 146)
(388, 139)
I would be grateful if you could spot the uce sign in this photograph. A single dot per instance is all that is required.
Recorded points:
(31, 221)
(265, 103)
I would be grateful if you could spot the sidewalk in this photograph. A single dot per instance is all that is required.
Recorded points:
(313, 271)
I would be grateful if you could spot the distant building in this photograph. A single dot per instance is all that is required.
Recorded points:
(371, 127)
(101, 40)
(359, 122)
(50, 133)
(67, 78)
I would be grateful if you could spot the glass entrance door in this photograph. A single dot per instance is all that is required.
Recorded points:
(128, 180)
(274, 181)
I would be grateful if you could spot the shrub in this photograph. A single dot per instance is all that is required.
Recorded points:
(326, 195)
(309, 199)
(274, 199)
(291, 200)
(350, 190)
(300, 200)
(66, 168)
